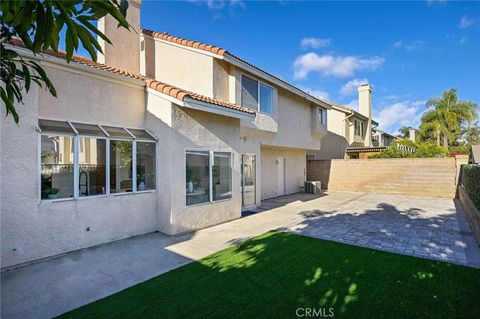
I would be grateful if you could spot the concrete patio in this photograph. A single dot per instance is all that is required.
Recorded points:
(418, 226)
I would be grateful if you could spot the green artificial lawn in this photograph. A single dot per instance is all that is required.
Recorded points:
(272, 275)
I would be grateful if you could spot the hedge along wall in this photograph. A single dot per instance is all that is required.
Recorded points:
(469, 194)
(471, 183)
(434, 177)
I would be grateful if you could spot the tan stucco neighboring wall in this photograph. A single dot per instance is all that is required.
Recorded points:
(183, 68)
(295, 170)
(435, 177)
(32, 230)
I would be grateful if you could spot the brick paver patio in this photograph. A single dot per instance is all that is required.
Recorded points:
(417, 226)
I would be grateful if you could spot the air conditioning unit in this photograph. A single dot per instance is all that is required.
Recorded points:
(313, 187)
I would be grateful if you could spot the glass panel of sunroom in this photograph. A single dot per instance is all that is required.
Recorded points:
(55, 126)
(141, 134)
(117, 132)
(121, 166)
(222, 176)
(92, 166)
(88, 129)
(197, 177)
(145, 166)
(56, 166)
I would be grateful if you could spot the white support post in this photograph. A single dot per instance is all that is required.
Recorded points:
(76, 168)
(134, 166)
(107, 164)
(210, 176)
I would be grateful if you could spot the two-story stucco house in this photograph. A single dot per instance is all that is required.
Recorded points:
(381, 138)
(349, 132)
(165, 134)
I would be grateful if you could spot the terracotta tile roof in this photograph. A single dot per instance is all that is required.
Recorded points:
(189, 43)
(181, 94)
(170, 90)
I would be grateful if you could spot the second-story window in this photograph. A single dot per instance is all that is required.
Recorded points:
(249, 92)
(322, 116)
(257, 95)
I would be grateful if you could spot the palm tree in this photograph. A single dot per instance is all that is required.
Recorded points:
(405, 131)
(447, 117)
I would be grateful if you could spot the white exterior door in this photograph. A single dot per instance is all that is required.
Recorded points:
(281, 176)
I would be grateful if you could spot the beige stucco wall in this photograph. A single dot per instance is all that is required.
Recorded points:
(183, 68)
(295, 170)
(32, 230)
(180, 129)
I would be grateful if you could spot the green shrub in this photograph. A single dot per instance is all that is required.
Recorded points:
(430, 150)
(421, 150)
(471, 182)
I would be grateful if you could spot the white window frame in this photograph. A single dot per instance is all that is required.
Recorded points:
(76, 168)
(210, 174)
(258, 94)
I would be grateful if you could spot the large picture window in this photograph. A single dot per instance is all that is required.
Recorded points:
(197, 177)
(222, 176)
(79, 160)
(208, 176)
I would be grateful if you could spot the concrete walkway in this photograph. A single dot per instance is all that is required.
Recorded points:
(425, 227)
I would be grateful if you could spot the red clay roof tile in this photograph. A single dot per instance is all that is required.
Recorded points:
(161, 87)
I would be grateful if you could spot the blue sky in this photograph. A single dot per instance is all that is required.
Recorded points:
(408, 51)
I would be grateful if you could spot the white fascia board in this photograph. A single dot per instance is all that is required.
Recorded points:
(59, 63)
(203, 106)
(263, 75)
(212, 108)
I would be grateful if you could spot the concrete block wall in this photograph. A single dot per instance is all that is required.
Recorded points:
(436, 177)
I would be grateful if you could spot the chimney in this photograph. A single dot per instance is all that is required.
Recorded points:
(124, 52)
(412, 135)
(365, 108)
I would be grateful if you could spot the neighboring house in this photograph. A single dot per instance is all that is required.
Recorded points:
(347, 128)
(121, 153)
(381, 138)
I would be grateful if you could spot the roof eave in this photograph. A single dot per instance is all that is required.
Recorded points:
(75, 66)
(216, 109)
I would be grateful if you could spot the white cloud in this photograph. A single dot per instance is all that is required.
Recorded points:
(466, 22)
(399, 114)
(217, 7)
(314, 43)
(412, 46)
(351, 86)
(321, 94)
(336, 66)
